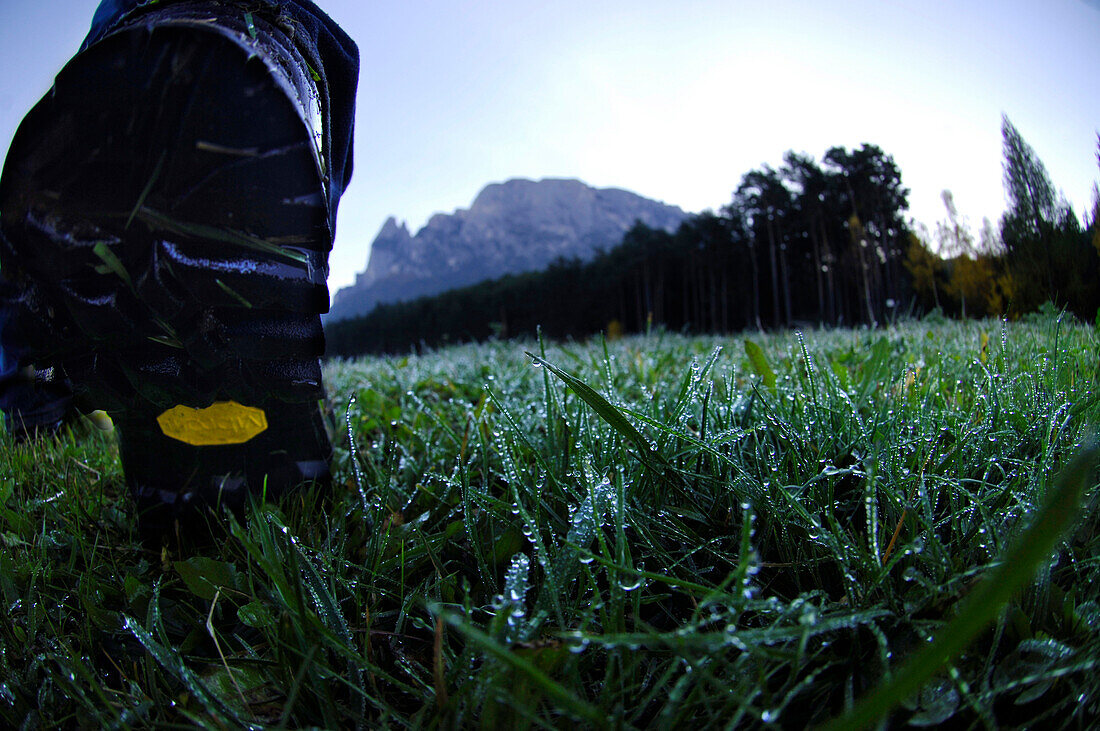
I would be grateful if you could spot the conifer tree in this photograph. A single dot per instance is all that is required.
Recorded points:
(1030, 223)
(1049, 254)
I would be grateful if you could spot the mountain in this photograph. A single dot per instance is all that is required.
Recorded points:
(515, 226)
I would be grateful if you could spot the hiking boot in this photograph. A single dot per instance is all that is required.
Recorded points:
(166, 231)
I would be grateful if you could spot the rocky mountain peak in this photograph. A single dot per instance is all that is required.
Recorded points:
(391, 229)
(515, 226)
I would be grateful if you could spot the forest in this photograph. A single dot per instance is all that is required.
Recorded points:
(807, 243)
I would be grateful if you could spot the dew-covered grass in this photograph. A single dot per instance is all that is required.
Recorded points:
(661, 531)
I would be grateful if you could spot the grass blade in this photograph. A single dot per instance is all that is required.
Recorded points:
(173, 665)
(613, 416)
(550, 687)
(1019, 565)
(760, 363)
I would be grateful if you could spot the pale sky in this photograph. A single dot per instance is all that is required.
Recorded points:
(673, 99)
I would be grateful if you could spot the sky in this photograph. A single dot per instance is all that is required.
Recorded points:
(672, 99)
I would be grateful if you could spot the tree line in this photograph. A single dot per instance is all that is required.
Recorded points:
(808, 242)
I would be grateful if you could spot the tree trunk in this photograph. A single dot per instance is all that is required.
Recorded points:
(755, 288)
(830, 281)
(861, 247)
(785, 280)
(775, 274)
(818, 274)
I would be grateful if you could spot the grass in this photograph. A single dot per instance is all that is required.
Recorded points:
(660, 531)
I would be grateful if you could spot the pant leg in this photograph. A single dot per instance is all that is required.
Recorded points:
(10, 352)
(28, 407)
(8, 361)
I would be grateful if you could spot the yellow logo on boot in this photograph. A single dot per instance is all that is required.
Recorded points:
(223, 422)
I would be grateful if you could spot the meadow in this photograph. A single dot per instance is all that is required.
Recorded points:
(782, 530)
